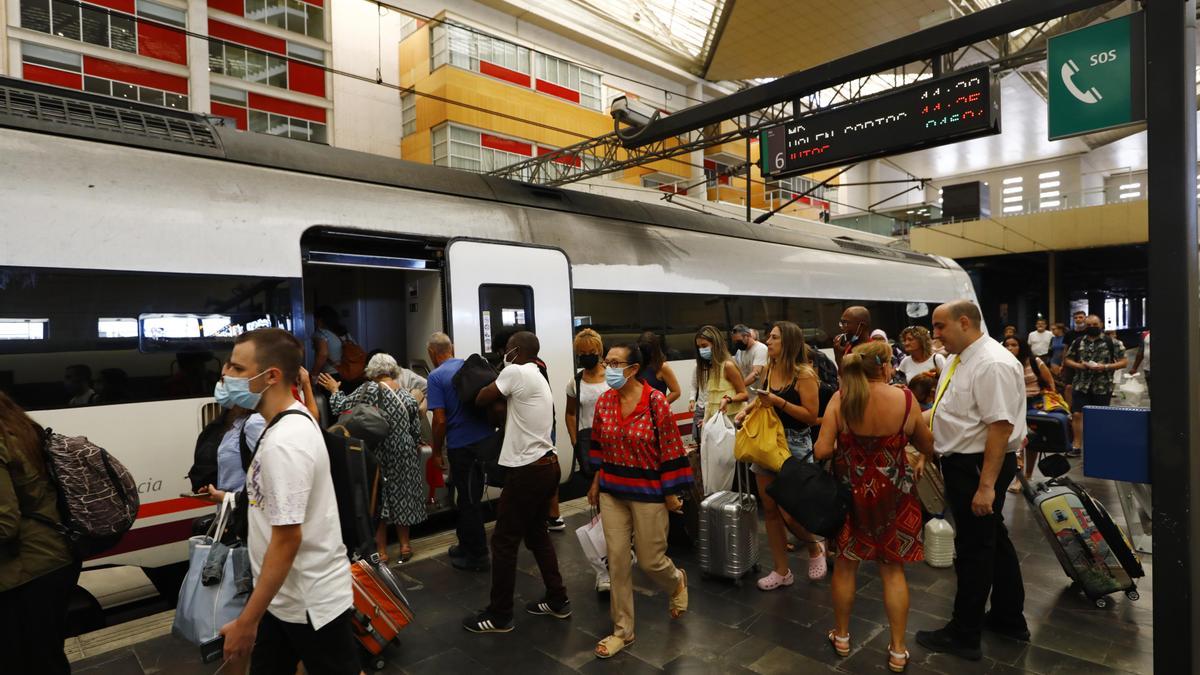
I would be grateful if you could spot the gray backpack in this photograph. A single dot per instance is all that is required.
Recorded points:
(97, 496)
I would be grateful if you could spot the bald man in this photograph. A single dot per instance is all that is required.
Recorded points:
(855, 325)
(978, 421)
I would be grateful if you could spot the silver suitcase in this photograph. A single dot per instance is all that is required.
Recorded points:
(728, 535)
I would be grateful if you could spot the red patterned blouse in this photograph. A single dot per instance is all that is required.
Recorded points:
(640, 457)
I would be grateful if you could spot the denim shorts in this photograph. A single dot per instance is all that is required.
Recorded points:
(799, 443)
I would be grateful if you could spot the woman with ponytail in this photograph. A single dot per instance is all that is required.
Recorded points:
(718, 387)
(865, 429)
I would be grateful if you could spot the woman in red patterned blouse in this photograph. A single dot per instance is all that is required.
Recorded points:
(640, 470)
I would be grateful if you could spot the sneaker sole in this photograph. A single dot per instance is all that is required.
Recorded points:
(548, 613)
(488, 630)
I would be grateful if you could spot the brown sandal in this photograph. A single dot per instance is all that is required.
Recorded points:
(679, 599)
(612, 645)
(840, 643)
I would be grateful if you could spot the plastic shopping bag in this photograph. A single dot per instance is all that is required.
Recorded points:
(716, 454)
(595, 549)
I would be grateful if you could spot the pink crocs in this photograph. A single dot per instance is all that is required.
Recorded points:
(817, 566)
(775, 580)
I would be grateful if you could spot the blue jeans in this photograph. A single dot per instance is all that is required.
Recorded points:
(799, 444)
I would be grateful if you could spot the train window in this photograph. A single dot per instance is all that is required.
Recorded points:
(117, 337)
(503, 310)
(23, 329)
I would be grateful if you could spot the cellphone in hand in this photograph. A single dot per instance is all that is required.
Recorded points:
(212, 650)
(760, 392)
(194, 495)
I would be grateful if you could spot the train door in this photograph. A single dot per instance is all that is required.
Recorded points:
(497, 289)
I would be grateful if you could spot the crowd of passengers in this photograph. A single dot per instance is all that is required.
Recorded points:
(950, 392)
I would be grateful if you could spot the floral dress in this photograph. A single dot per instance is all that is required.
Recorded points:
(885, 523)
(402, 489)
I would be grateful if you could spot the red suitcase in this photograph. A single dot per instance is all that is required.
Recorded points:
(380, 609)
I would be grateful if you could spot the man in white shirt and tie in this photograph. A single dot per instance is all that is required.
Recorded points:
(978, 421)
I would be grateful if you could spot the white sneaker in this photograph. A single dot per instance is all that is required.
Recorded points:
(603, 585)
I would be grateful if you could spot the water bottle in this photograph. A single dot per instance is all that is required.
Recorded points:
(939, 542)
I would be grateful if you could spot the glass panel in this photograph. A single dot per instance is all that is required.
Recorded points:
(310, 54)
(95, 26)
(169, 15)
(97, 86)
(235, 61)
(216, 56)
(123, 33)
(316, 21)
(49, 56)
(277, 67)
(177, 101)
(276, 13)
(318, 134)
(504, 310)
(35, 15)
(256, 9)
(256, 65)
(296, 16)
(66, 19)
(122, 90)
(259, 121)
(153, 96)
(23, 329)
(117, 328)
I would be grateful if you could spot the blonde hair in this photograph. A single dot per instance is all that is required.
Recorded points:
(706, 373)
(793, 354)
(920, 334)
(860, 366)
(586, 339)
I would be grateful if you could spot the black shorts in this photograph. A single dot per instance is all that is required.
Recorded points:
(280, 645)
(1080, 399)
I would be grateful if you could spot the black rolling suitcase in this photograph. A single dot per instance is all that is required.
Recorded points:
(1092, 548)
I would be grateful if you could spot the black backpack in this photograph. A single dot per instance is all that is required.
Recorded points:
(204, 459)
(827, 377)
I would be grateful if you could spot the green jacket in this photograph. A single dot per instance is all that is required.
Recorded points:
(28, 549)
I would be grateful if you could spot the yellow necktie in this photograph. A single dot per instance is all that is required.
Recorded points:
(942, 385)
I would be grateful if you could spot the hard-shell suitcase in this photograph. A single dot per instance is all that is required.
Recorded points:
(1093, 550)
(728, 534)
(380, 609)
(1049, 431)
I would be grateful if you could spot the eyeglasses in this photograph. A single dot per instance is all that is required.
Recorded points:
(616, 364)
(844, 322)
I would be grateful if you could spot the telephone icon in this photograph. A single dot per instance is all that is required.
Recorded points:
(1069, 70)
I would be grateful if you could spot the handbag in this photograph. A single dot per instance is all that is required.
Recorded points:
(761, 439)
(218, 582)
(1052, 400)
(813, 496)
(365, 422)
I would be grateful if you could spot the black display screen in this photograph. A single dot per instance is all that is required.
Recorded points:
(932, 112)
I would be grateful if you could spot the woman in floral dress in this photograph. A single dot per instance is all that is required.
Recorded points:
(402, 488)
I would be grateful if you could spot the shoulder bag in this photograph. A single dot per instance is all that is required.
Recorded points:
(761, 439)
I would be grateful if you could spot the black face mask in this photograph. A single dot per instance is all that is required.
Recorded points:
(1093, 331)
(738, 345)
(589, 361)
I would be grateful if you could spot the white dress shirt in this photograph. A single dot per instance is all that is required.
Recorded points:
(987, 385)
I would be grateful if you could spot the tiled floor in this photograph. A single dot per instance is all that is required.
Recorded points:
(731, 629)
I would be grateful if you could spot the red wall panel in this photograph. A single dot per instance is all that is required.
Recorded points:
(318, 3)
(569, 161)
(559, 91)
(127, 6)
(232, 6)
(60, 78)
(236, 112)
(505, 144)
(306, 78)
(161, 42)
(134, 75)
(502, 73)
(246, 37)
(281, 107)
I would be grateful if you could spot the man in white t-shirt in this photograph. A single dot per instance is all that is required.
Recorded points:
(300, 607)
(1040, 339)
(978, 421)
(531, 480)
(750, 355)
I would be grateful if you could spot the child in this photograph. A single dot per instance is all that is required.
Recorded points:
(923, 388)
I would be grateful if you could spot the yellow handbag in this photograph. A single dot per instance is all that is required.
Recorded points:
(761, 439)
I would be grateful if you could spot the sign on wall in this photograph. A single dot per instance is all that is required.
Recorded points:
(1097, 77)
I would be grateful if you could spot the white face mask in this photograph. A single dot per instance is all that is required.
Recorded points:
(507, 361)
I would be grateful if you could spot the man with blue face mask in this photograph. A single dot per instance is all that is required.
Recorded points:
(300, 607)
(855, 325)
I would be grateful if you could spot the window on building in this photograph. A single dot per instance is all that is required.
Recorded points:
(162, 13)
(83, 22)
(456, 148)
(306, 53)
(51, 57)
(99, 85)
(408, 114)
(294, 15)
(464, 48)
(282, 125)
(247, 63)
(571, 76)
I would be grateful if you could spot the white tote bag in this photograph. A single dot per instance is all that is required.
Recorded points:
(595, 548)
(716, 454)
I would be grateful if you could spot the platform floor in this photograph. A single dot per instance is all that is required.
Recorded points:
(729, 629)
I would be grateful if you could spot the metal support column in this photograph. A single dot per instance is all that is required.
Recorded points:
(1174, 285)
(1052, 288)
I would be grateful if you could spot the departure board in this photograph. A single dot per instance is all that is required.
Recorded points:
(930, 113)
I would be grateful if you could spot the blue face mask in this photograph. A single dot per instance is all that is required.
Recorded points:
(615, 377)
(706, 353)
(221, 393)
(237, 391)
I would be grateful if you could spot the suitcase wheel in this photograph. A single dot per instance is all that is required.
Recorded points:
(1133, 595)
(1101, 602)
(378, 663)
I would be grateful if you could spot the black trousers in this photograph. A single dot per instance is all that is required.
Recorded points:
(467, 476)
(986, 562)
(521, 516)
(33, 623)
(280, 646)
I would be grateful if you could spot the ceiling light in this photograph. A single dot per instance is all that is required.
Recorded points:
(1131, 186)
(1013, 190)
(1048, 174)
(1012, 209)
(1009, 200)
(1014, 179)
(1050, 184)
(1049, 205)
(1049, 194)
(1130, 195)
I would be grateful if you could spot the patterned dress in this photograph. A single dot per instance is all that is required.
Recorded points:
(885, 523)
(403, 490)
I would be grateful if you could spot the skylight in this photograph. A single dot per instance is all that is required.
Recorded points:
(683, 26)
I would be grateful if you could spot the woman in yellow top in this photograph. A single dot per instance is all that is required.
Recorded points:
(718, 386)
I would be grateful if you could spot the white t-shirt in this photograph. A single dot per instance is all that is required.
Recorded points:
(530, 415)
(747, 359)
(1039, 343)
(987, 386)
(912, 368)
(288, 484)
(585, 402)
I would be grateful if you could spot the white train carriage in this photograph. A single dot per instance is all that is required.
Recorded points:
(137, 241)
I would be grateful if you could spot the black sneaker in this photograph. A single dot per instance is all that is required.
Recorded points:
(487, 622)
(1074, 453)
(456, 551)
(943, 641)
(556, 524)
(558, 610)
(471, 564)
(1018, 633)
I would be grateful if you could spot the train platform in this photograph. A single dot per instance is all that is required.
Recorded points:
(729, 629)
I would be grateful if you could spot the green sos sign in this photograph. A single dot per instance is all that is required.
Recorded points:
(1097, 77)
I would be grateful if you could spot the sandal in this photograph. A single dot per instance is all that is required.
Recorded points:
(679, 599)
(775, 580)
(840, 643)
(817, 567)
(897, 661)
(406, 554)
(611, 646)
